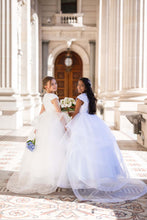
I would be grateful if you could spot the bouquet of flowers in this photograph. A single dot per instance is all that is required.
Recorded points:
(67, 104)
(30, 144)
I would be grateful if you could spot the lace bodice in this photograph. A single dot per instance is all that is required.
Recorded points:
(48, 97)
(84, 107)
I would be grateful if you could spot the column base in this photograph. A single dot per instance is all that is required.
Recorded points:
(16, 110)
(142, 139)
(11, 112)
(108, 115)
(32, 106)
(121, 122)
(115, 112)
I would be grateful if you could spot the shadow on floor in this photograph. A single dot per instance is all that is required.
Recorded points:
(13, 138)
(130, 145)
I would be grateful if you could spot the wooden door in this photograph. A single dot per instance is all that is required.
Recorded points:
(67, 78)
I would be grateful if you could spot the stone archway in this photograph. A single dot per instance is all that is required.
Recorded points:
(63, 47)
(67, 77)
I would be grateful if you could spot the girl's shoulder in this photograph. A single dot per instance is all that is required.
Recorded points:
(51, 96)
(82, 97)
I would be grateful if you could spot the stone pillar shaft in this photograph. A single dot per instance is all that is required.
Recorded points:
(122, 46)
(79, 6)
(58, 6)
(45, 46)
(92, 63)
(34, 54)
(103, 46)
(8, 44)
(144, 67)
(26, 52)
(10, 103)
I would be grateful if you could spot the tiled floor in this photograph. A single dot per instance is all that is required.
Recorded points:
(63, 204)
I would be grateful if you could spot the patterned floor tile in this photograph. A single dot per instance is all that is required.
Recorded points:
(63, 204)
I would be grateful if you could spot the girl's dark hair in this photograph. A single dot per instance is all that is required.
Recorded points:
(90, 95)
(46, 79)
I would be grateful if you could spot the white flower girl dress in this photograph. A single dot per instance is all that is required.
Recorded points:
(41, 168)
(94, 166)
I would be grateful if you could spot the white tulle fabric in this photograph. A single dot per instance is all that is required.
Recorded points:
(41, 168)
(94, 166)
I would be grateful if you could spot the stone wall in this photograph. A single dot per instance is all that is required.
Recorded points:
(51, 7)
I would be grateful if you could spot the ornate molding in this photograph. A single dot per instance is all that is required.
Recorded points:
(34, 18)
(21, 2)
(19, 52)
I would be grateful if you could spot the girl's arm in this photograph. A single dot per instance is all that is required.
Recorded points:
(42, 109)
(77, 108)
(55, 102)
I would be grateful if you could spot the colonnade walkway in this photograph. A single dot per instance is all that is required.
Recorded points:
(63, 204)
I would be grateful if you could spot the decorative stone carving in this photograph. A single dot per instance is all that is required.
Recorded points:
(20, 52)
(21, 2)
(34, 18)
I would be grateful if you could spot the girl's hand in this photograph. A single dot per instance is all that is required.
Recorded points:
(62, 119)
(65, 128)
(35, 131)
(70, 113)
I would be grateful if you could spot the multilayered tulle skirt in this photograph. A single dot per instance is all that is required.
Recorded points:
(40, 169)
(94, 167)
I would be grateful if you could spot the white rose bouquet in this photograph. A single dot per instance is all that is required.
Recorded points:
(67, 104)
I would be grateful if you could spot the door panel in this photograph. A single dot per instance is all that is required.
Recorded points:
(67, 78)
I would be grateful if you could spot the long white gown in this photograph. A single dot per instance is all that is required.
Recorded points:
(94, 166)
(41, 168)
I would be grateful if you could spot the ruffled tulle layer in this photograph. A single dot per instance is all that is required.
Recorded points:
(94, 165)
(41, 168)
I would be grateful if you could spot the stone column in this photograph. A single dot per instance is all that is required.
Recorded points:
(35, 65)
(8, 45)
(26, 62)
(10, 102)
(142, 108)
(143, 78)
(79, 6)
(108, 48)
(26, 49)
(45, 46)
(131, 85)
(34, 54)
(102, 46)
(113, 46)
(133, 46)
(58, 6)
(92, 63)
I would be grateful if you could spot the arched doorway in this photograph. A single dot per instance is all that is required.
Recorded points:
(67, 77)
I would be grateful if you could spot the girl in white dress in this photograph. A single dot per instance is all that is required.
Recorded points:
(94, 166)
(40, 169)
